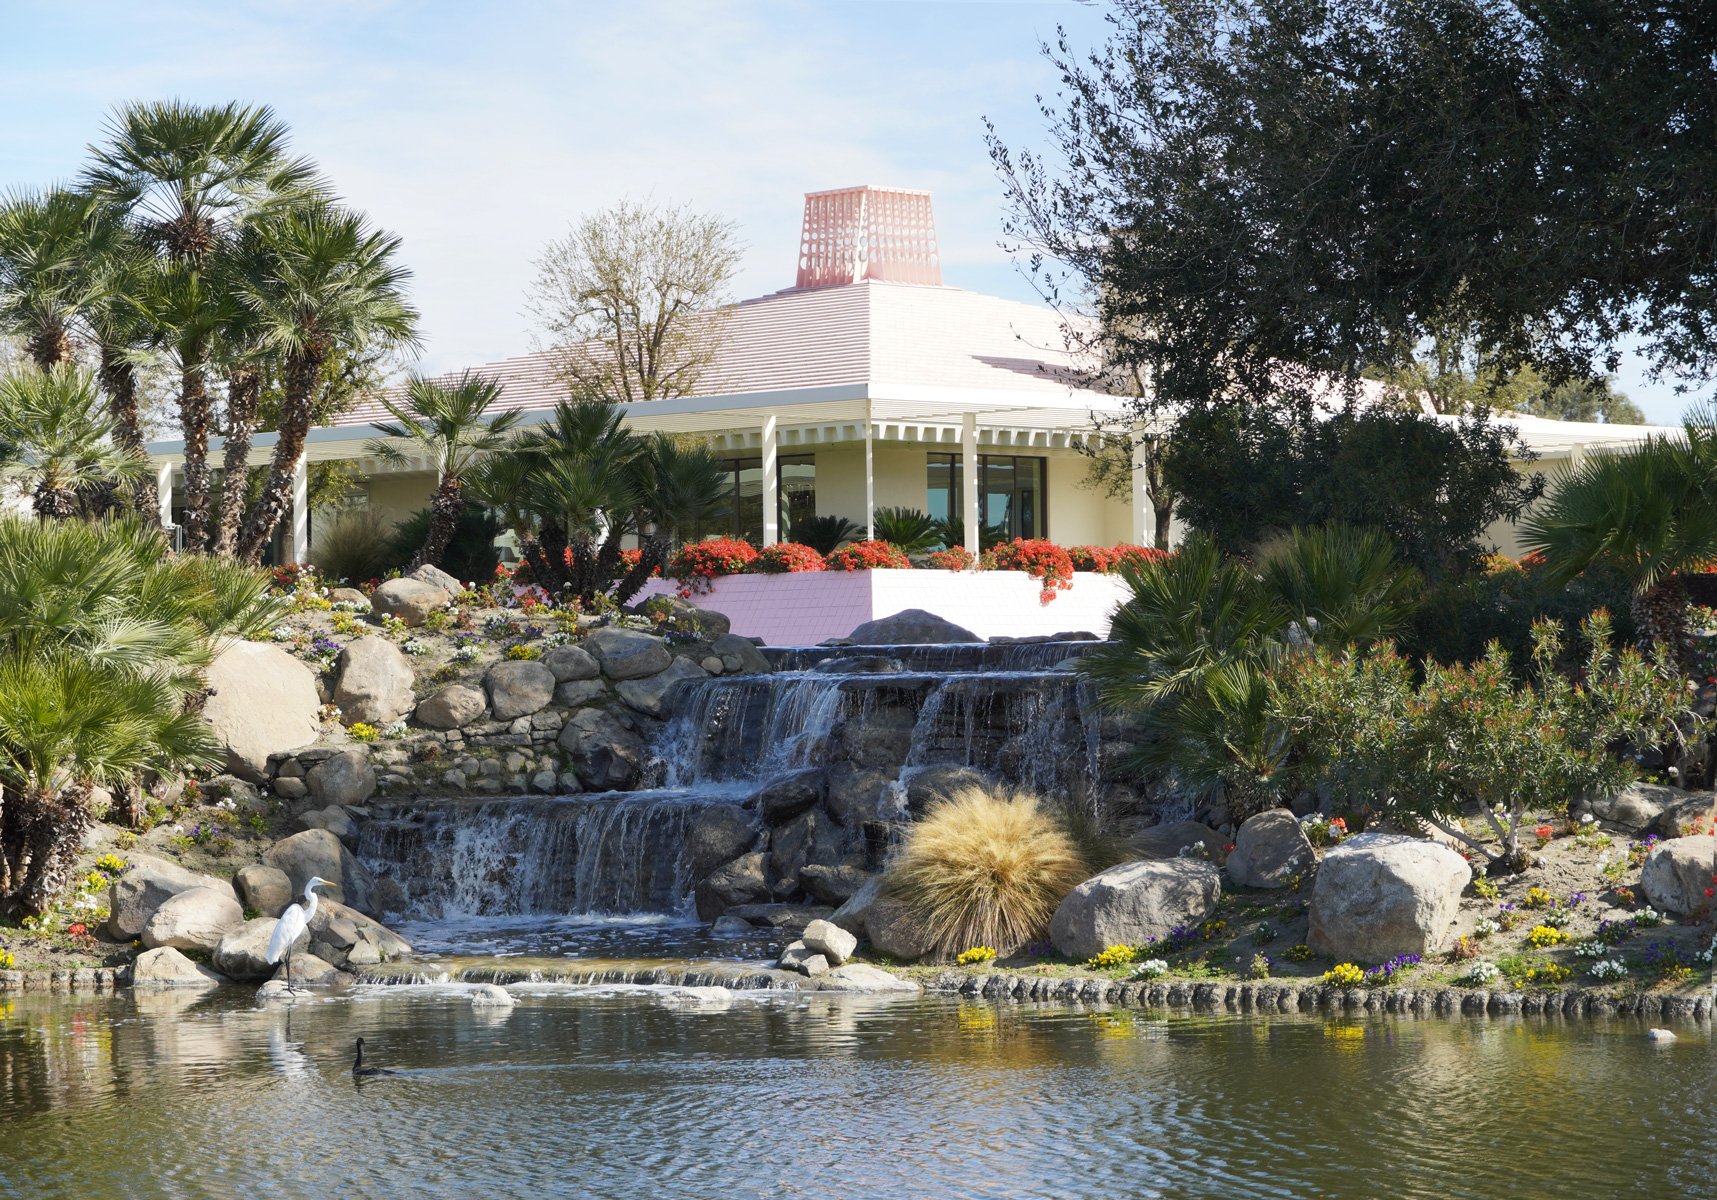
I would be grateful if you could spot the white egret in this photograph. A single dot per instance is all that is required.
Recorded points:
(294, 921)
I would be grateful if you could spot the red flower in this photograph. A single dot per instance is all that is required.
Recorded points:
(696, 563)
(79, 929)
(784, 557)
(868, 556)
(954, 558)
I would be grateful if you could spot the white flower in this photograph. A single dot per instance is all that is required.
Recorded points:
(1648, 916)
(284, 633)
(1587, 818)
(1485, 926)
(1480, 973)
(394, 730)
(1609, 968)
(1590, 949)
(1151, 968)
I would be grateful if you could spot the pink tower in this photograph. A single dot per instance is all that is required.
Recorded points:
(858, 233)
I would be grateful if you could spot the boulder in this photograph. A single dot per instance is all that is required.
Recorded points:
(893, 929)
(1167, 841)
(864, 979)
(739, 655)
(851, 914)
(791, 918)
(830, 884)
(262, 701)
(725, 926)
(1634, 809)
(577, 693)
(411, 600)
(800, 957)
(455, 705)
(1677, 874)
(808, 838)
(718, 833)
(242, 953)
(829, 940)
(194, 919)
(786, 796)
(518, 689)
(858, 795)
(1134, 904)
(309, 971)
(339, 924)
(166, 967)
(491, 995)
(569, 663)
(345, 777)
(351, 596)
(609, 756)
(435, 577)
(911, 627)
(149, 883)
(1269, 850)
(933, 784)
(627, 654)
(1378, 895)
(265, 890)
(708, 623)
(318, 852)
(660, 694)
(1689, 814)
(739, 882)
(334, 819)
(374, 681)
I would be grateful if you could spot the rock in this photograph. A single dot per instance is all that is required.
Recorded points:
(1167, 841)
(518, 689)
(864, 979)
(725, 926)
(374, 681)
(660, 694)
(411, 600)
(832, 885)
(893, 929)
(851, 914)
(309, 971)
(261, 889)
(935, 784)
(150, 882)
(578, 693)
(242, 953)
(455, 705)
(569, 663)
(1635, 808)
(794, 956)
(546, 782)
(712, 664)
(786, 796)
(1270, 849)
(193, 919)
(334, 819)
(739, 882)
(336, 923)
(291, 787)
(809, 837)
(318, 852)
(858, 795)
(343, 778)
(1677, 872)
(718, 833)
(788, 917)
(435, 577)
(1378, 895)
(610, 756)
(489, 995)
(829, 940)
(1659, 1035)
(708, 623)
(912, 627)
(262, 701)
(1133, 904)
(739, 655)
(166, 967)
(1689, 814)
(627, 654)
(351, 596)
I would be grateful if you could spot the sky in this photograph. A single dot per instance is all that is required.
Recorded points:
(479, 131)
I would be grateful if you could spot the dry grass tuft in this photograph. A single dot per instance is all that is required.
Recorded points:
(987, 868)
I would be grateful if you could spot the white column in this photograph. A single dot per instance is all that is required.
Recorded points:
(164, 493)
(298, 536)
(1144, 518)
(869, 481)
(969, 480)
(771, 484)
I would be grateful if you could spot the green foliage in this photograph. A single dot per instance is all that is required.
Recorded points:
(1502, 600)
(353, 547)
(1433, 488)
(911, 529)
(58, 435)
(470, 555)
(823, 534)
(1477, 736)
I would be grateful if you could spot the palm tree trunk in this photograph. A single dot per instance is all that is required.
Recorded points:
(1660, 616)
(300, 384)
(194, 419)
(47, 831)
(50, 346)
(53, 503)
(652, 555)
(444, 513)
(119, 380)
(243, 391)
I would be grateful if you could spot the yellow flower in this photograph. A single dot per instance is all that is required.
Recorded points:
(976, 955)
(1114, 956)
(1344, 975)
(1546, 935)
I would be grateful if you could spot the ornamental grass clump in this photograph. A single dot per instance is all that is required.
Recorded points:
(986, 868)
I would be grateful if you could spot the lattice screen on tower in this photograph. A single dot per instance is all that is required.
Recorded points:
(858, 233)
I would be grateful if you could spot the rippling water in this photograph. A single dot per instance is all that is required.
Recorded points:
(615, 1092)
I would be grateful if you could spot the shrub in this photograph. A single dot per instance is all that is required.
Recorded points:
(1151, 968)
(1107, 560)
(1480, 974)
(470, 553)
(986, 868)
(954, 558)
(523, 652)
(785, 557)
(822, 534)
(867, 556)
(911, 529)
(353, 546)
(1041, 559)
(696, 563)
(1542, 936)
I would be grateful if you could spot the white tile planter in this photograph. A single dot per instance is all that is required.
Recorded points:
(804, 608)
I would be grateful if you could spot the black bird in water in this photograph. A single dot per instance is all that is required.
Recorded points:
(360, 1071)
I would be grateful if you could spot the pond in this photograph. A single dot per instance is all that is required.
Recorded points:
(642, 1092)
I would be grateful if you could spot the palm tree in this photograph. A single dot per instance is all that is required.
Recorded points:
(103, 636)
(60, 437)
(49, 242)
(333, 282)
(677, 487)
(445, 422)
(911, 529)
(1649, 511)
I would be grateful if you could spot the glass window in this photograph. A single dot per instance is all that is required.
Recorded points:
(741, 513)
(1011, 494)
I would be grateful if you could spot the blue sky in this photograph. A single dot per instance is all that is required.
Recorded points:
(478, 131)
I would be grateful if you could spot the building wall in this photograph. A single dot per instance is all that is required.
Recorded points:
(394, 497)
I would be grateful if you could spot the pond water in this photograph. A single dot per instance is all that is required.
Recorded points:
(638, 1092)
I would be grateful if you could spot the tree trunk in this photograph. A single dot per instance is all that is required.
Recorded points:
(301, 373)
(44, 833)
(55, 503)
(119, 380)
(1164, 514)
(194, 420)
(444, 513)
(1660, 617)
(243, 391)
(652, 555)
(50, 346)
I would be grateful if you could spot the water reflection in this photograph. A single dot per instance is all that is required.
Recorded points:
(632, 1092)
